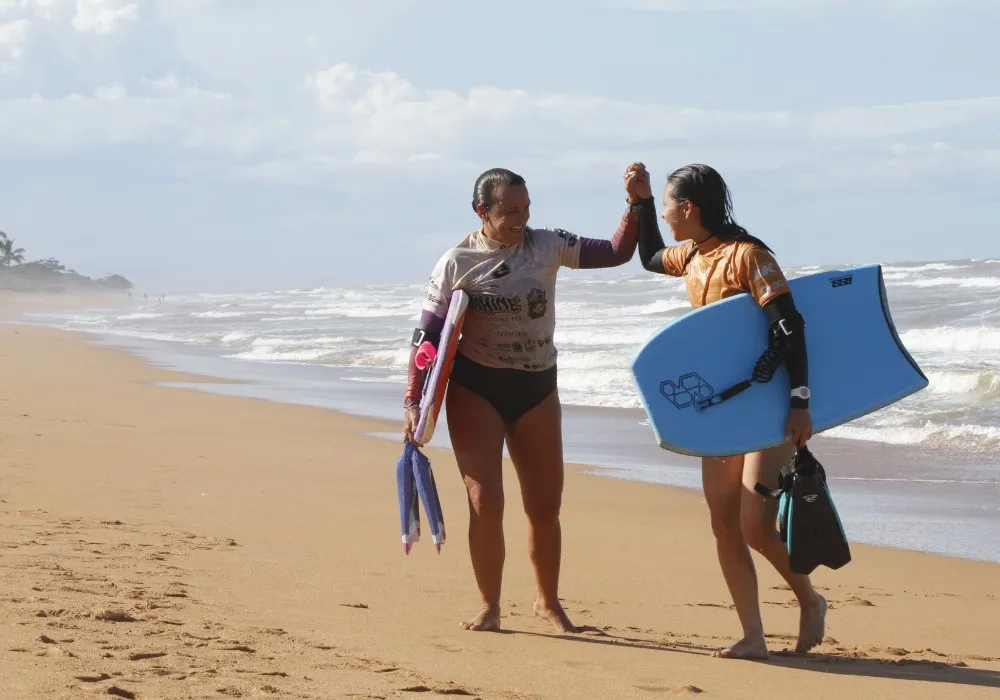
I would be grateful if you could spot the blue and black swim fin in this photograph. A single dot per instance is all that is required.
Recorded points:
(807, 519)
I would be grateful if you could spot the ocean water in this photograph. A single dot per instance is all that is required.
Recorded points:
(347, 348)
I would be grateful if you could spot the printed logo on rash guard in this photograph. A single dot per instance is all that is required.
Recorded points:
(570, 238)
(495, 304)
(537, 303)
(502, 271)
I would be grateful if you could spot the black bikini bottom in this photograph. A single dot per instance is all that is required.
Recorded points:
(512, 392)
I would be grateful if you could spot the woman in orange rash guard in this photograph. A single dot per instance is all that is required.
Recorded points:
(718, 259)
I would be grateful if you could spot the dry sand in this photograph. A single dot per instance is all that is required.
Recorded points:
(158, 542)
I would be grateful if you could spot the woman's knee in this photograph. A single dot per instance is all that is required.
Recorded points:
(485, 502)
(726, 526)
(544, 510)
(757, 530)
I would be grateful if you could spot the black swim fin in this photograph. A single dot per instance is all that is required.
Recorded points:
(807, 519)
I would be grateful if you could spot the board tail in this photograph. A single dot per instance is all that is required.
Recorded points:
(892, 328)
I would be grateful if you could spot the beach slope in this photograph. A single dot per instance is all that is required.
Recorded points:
(160, 542)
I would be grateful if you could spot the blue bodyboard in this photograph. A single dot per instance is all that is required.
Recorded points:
(857, 365)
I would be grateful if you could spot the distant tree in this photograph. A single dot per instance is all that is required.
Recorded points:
(49, 270)
(8, 253)
(115, 282)
(48, 265)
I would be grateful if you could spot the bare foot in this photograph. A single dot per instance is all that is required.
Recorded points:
(488, 620)
(747, 648)
(812, 625)
(556, 615)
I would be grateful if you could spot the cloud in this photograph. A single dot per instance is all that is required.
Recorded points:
(382, 118)
(346, 116)
(801, 6)
(885, 121)
(385, 116)
(93, 16)
(294, 115)
(103, 16)
(162, 112)
(13, 37)
(45, 9)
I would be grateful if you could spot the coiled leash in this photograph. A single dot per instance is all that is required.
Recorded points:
(763, 372)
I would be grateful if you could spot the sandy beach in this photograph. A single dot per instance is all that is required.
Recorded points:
(161, 542)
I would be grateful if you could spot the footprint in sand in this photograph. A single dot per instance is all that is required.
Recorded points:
(115, 615)
(855, 600)
(437, 691)
(782, 637)
(711, 605)
(93, 679)
(682, 690)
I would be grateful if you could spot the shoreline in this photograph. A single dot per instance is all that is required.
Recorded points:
(891, 496)
(255, 547)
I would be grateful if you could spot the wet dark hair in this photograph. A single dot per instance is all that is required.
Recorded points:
(488, 183)
(703, 185)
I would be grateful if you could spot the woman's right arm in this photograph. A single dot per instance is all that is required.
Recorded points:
(428, 329)
(654, 255)
(432, 315)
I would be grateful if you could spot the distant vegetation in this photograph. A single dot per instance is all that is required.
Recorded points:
(48, 275)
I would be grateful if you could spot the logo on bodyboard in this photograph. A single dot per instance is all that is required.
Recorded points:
(841, 281)
(690, 388)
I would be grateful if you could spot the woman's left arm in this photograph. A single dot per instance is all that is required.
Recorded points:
(759, 273)
(788, 330)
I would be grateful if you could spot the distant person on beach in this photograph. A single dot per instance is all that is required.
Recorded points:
(718, 259)
(503, 385)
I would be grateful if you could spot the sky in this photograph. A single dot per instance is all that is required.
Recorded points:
(227, 145)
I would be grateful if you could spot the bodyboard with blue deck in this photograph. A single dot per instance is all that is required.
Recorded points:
(857, 365)
(437, 381)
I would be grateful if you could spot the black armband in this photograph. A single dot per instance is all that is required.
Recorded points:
(422, 334)
(787, 332)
